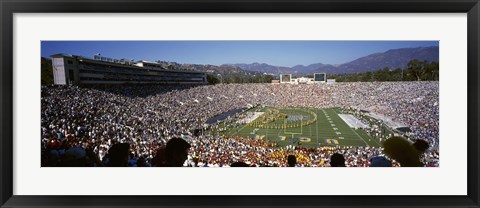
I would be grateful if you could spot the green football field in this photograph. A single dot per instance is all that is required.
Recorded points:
(306, 127)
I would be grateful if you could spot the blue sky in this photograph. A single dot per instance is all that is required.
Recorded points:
(278, 53)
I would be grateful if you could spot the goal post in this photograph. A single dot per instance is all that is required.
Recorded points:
(292, 133)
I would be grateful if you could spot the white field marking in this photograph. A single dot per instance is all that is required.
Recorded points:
(336, 129)
(352, 121)
(330, 121)
(341, 137)
(333, 124)
(338, 132)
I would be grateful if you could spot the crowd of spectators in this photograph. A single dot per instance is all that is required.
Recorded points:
(79, 122)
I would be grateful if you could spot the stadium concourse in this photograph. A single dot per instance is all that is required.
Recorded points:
(91, 120)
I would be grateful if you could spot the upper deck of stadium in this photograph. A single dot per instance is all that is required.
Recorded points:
(80, 70)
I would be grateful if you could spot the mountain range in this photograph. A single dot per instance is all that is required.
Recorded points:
(394, 58)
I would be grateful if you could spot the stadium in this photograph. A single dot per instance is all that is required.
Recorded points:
(257, 124)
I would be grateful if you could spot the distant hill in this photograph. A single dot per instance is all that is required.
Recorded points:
(223, 73)
(224, 69)
(261, 67)
(395, 58)
(312, 68)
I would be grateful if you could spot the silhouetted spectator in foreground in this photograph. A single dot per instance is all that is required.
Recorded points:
(75, 157)
(292, 160)
(239, 164)
(337, 160)
(176, 152)
(52, 158)
(141, 162)
(118, 155)
(421, 145)
(402, 151)
(160, 158)
(380, 161)
(195, 161)
(93, 160)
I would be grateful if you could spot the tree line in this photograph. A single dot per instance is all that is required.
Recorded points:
(46, 72)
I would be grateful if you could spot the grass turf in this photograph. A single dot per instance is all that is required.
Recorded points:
(328, 130)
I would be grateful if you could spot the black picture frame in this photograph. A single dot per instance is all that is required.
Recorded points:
(10, 7)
